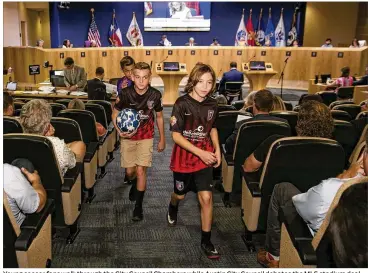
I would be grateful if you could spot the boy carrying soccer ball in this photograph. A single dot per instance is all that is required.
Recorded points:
(136, 148)
(196, 150)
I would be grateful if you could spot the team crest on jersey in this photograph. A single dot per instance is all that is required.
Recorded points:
(150, 104)
(179, 185)
(210, 114)
(173, 120)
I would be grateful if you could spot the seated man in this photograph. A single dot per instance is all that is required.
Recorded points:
(96, 88)
(262, 105)
(363, 80)
(164, 41)
(23, 190)
(8, 106)
(312, 206)
(35, 118)
(75, 77)
(231, 76)
(191, 42)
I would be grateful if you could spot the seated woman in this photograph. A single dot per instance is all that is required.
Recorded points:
(221, 100)
(35, 118)
(344, 80)
(248, 103)
(79, 105)
(67, 44)
(278, 104)
(354, 43)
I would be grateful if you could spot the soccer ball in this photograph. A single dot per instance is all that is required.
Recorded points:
(128, 120)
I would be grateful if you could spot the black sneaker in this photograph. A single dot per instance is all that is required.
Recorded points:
(172, 216)
(210, 251)
(133, 190)
(127, 181)
(137, 214)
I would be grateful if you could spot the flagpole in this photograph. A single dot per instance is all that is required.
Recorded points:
(269, 13)
(259, 20)
(113, 24)
(92, 15)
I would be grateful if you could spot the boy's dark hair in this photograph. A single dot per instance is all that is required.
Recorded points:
(196, 73)
(263, 100)
(69, 61)
(233, 64)
(126, 61)
(142, 66)
(8, 101)
(99, 71)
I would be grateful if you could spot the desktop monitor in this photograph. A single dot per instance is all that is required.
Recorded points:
(171, 66)
(57, 78)
(257, 65)
(324, 77)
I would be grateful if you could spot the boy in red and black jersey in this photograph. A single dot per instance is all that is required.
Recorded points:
(136, 148)
(196, 150)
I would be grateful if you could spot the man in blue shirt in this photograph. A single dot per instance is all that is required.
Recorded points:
(231, 76)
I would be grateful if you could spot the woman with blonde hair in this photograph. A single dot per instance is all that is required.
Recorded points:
(79, 105)
(278, 104)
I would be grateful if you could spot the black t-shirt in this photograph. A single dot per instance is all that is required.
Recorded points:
(145, 104)
(194, 120)
(262, 150)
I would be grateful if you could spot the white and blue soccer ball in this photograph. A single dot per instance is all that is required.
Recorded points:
(128, 120)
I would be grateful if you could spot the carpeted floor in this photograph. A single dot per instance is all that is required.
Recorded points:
(110, 239)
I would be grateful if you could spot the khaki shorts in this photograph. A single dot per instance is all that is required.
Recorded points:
(136, 152)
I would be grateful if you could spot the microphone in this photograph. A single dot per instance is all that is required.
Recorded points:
(151, 64)
(251, 58)
(287, 59)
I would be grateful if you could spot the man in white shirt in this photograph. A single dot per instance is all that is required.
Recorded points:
(24, 191)
(312, 206)
(191, 42)
(328, 43)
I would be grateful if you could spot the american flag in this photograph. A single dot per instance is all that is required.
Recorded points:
(93, 33)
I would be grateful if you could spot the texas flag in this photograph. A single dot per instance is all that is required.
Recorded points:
(114, 32)
(250, 29)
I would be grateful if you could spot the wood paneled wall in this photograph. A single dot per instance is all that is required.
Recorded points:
(301, 66)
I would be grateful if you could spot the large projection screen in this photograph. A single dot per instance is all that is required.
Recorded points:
(177, 16)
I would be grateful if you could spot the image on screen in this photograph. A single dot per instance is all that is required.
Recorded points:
(171, 66)
(177, 16)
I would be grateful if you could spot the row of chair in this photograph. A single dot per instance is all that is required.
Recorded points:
(66, 192)
(288, 160)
